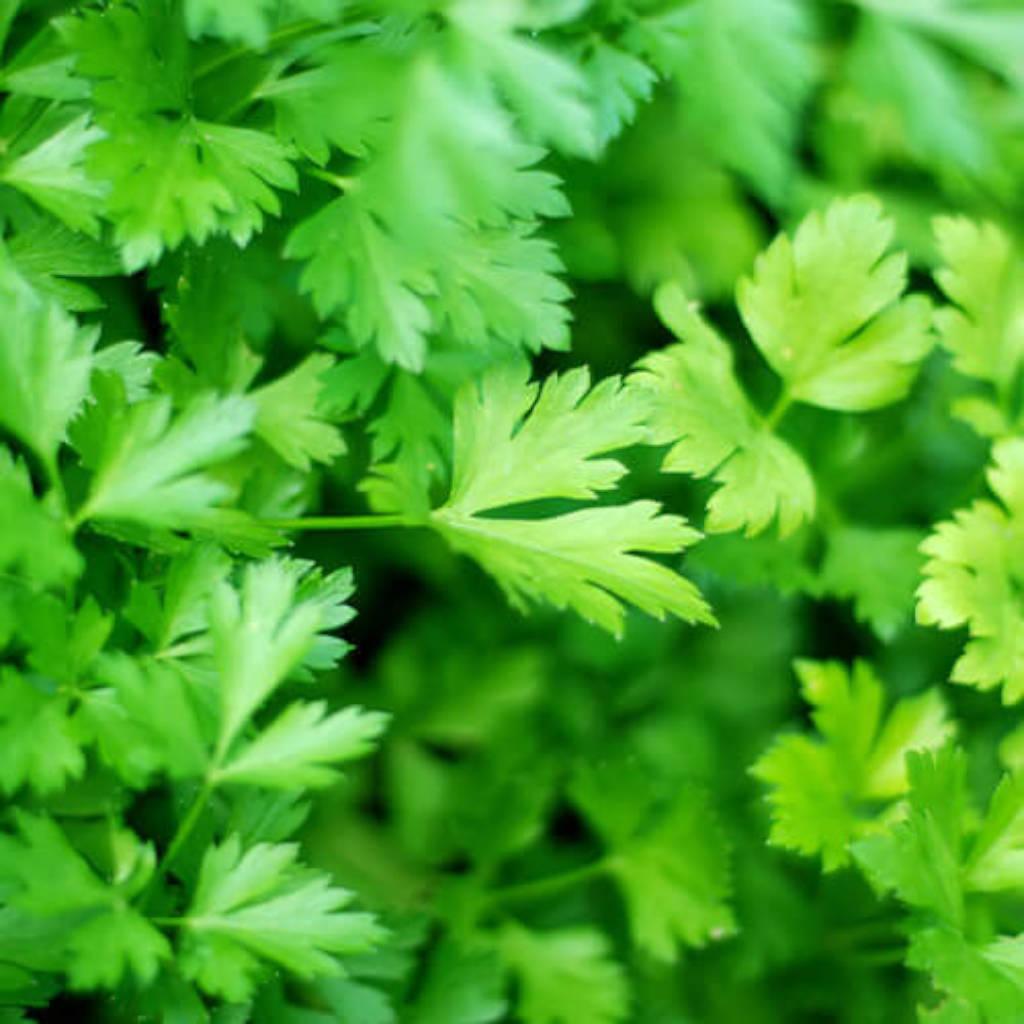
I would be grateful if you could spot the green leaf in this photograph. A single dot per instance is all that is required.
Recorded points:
(461, 987)
(619, 82)
(878, 570)
(34, 543)
(502, 285)
(256, 908)
(826, 313)
(299, 749)
(45, 363)
(172, 180)
(356, 81)
(130, 738)
(565, 976)
(354, 265)
(674, 877)
(745, 70)
(104, 937)
(986, 977)
(974, 562)
(826, 792)
(151, 465)
(46, 254)
(504, 433)
(515, 443)
(903, 73)
(38, 739)
(53, 175)
(697, 404)
(983, 277)
(671, 862)
(919, 858)
(547, 92)
(244, 21)
(288, 419)
(260, 634)
(996, 860)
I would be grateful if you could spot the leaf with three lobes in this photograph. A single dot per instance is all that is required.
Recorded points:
(825, 309)
(826, 792)
(697, 404)
(517, 442)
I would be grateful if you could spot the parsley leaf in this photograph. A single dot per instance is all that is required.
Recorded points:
(826, 313)
(151, 464)
(258, 906)
(517, 442)
(565, 975)
(45, 364)
(827, 791)
(104, 937)
(975, 561)
(697, 403)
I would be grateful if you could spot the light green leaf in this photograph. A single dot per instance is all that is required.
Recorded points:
(150, 467)
(45, 363)
(258, 907)
(919, 859)
(697, 404)
(619, 82)
(974, 562)
(745, 70)
(517, 442)
(505, 431)
(584, 560)
(177, 179)
(260, 634)
(53, 175)
(983, 277)
(243, 21)
(547, 92)
(826, 313)
(299, 749)
(996, 861)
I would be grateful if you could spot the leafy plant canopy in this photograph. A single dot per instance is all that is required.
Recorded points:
(511, 511)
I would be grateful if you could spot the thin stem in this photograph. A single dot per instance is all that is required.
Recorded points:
(280, 36)
(551, 884)
(778, 410)
(184, 832)
(56, 483)
(339, 523)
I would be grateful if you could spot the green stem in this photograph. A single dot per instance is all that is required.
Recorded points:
(238, 53)
(778, 410)
(339, 523)
(184, 832)
(551, 884)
